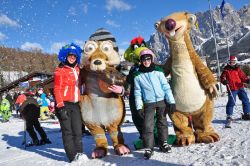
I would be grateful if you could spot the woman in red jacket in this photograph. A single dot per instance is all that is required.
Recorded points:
(233, 77)
(67, 95)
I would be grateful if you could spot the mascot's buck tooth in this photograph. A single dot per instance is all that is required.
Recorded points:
(193, 84)
(102, 109)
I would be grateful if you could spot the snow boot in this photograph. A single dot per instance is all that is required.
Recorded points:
(246, 116)
(148, 153)
(165, 147)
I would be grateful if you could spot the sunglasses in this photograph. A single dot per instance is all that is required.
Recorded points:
(146, 59)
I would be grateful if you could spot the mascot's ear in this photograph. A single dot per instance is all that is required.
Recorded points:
(191, 18)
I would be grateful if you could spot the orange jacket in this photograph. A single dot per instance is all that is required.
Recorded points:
(66, 85)
(20, 99)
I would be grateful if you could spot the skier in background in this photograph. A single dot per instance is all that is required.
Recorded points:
(19, 101)
(42, 101)
(30, 111)
(233, 77)
(5, 110)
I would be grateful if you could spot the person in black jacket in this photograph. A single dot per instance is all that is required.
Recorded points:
(30, 111)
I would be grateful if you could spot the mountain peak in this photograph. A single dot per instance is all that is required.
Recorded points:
(232, 31)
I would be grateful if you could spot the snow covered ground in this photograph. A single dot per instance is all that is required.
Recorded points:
(232, 149)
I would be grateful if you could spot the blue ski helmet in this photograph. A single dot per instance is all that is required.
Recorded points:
(70, 49)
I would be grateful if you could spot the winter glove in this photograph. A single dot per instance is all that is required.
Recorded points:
(62, 114)
(172, 108)
(225, 82)
(141, 113)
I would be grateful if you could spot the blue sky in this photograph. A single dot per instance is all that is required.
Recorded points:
(49, 24)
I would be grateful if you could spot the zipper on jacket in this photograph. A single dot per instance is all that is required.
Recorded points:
(65, 91)
(152, 85)
(76, 85)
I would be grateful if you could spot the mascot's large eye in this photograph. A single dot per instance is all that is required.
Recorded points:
(90, 47)
(106, 46)
(135, 47)
(191, 18)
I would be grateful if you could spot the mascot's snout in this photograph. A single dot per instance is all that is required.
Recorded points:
(98, 60)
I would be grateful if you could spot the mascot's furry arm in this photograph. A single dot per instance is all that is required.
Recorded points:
(205, 76)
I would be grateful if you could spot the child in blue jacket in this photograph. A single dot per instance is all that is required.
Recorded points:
(152, 91)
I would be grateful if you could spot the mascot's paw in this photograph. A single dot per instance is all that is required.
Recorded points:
(121, 149)
(208, 137)
(213, 91)
(185, 140)
(99, 152)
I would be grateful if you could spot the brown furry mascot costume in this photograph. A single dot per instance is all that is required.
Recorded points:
(193, 84)
(101, 108)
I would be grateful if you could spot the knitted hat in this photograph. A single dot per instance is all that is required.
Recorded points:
(70, 49)
(147, 53)
(102, 34)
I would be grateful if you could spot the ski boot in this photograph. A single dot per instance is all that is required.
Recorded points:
(245, 116)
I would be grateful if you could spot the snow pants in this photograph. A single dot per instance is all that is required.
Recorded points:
(148, 124)
(34, 123)
(43, 110)
(72, 130)
(231, 99)
(6, 114)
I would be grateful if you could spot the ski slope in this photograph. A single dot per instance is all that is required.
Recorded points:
(232, 149)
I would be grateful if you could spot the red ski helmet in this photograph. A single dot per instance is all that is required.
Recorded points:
(233, 58)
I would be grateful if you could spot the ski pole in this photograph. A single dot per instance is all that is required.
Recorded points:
(24, 135)
(236, 110)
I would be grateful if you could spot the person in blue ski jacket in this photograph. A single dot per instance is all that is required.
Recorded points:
(152, 91)
(42, 101)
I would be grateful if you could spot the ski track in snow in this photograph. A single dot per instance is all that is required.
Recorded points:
(232, 149)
